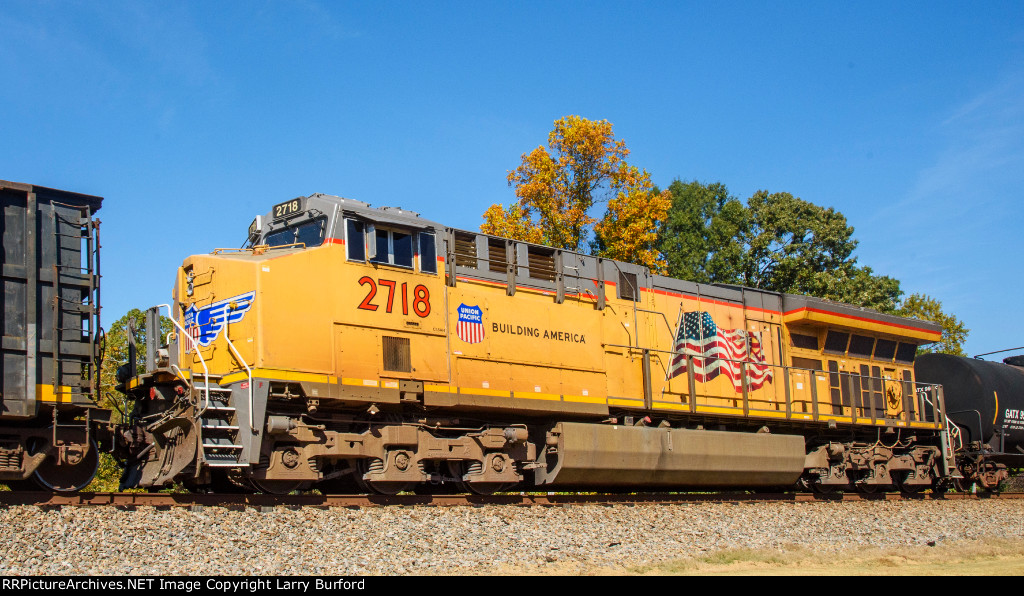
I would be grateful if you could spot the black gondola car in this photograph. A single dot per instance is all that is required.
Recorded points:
(50, 423)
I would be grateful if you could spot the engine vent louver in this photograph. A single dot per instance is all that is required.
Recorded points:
(397, 356)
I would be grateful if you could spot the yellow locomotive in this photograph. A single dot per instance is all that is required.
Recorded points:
(357, 348)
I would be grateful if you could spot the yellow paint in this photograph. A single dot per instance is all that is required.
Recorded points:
(861, 324)
(537, 395)
(996, 414)
(276, 375)
(629, 403)
(487, 392)
(584, 399)
(45, 393)
(319, 318)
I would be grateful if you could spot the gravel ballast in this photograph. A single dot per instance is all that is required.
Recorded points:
(442, 540)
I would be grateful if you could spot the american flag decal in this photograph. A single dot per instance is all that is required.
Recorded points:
(718, 351)
(471, 324)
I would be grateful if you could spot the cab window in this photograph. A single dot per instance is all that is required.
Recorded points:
(310, 233)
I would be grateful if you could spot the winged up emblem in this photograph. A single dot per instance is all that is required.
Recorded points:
(205, 324)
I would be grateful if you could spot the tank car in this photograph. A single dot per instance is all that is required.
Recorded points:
(349, 347)
(986, 402)
(50, 424)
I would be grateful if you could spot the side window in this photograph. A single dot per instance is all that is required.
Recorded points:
(835, 342)
(906, 352)
(885, 349)
(393, 248)
(355, 241)
(428, 253)
(861, 345)
(806, 342)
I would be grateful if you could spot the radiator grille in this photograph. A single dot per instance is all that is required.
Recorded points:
(397, 356)
(542, 264)
(465, 250)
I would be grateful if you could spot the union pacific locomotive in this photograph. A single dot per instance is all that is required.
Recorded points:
(357, 348)
(352, 348)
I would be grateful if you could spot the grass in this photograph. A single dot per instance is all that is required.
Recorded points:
(993, 556)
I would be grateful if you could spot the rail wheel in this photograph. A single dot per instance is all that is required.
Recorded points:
(81, 462)
(459, 469)
(378, 487)
(824, 489)
(900, 482)
(869, 489)
(278, 487)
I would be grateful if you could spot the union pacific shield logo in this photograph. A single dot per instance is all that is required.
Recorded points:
(204, 324)
(471, 324)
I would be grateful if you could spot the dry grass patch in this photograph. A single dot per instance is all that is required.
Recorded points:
(979, 557)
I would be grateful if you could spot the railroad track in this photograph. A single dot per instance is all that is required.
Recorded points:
(165, 500)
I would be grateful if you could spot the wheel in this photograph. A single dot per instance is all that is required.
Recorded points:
(344, 483)
(278, 487)
(459, 469)
(376, 486)
(824, 489)
(78, 469)
(900, 481)
(868, 489)
(963, 485)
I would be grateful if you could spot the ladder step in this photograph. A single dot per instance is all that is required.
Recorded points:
(217, 423)
(215, 445)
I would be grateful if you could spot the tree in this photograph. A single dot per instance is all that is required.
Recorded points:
(954, 332)
(701, 239)
(629, 230)
(794, 245)
(558, 186)
(117, 353)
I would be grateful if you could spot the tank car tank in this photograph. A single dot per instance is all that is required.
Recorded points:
(986, 401)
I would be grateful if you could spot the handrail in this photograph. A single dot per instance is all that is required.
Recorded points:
(252, 420)
(954, 430)
(787, 372)
(206, 370)
(258, 247)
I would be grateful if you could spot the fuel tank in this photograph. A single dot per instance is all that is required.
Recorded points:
(985, 399)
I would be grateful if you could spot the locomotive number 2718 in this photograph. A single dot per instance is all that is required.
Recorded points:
(420, 296)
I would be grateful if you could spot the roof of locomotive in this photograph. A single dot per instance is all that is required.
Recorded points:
(785, 304)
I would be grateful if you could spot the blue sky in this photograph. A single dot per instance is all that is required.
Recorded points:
(190, 118)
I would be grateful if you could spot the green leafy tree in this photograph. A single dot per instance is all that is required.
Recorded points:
(954, 332)
(108, 477)
(783, 243)
(117, 354)
(702, 237)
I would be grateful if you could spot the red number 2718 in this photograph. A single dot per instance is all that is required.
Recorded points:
(420, 296)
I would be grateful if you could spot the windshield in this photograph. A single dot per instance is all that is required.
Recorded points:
(310, 233)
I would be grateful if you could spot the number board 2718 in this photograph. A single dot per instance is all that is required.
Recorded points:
(288, 208)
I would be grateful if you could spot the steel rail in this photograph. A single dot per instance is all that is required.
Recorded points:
(266, 501)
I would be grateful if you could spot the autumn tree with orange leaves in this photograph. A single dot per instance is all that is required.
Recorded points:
(558, 186)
